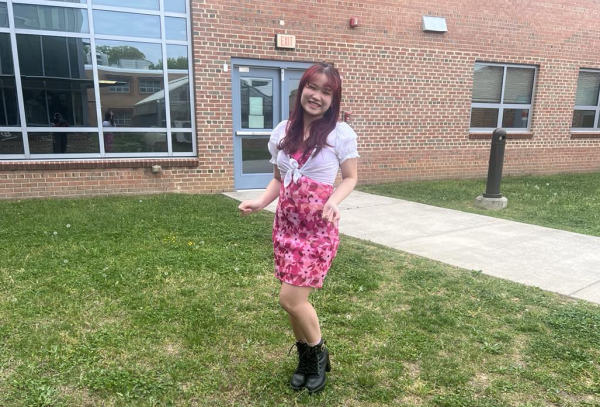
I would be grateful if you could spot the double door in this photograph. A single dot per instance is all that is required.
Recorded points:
(263, 96)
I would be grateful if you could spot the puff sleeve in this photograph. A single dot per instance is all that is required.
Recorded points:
(274, 141)
(345, 146)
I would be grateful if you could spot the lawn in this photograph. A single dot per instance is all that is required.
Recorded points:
(169, 300)
(569, 202)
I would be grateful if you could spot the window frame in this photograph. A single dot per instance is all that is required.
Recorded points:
(596, 109)
(92, 36)
(502, 106)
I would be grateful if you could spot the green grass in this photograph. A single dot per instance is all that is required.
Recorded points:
(568, 202)
(170, 301)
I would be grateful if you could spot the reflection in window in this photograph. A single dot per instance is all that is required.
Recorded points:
(9, 112)
(139, 143)
(126, 24)
(175, 6)
(34, 17)
(182, 142)
(63, 143)
(56, 79)
(139, 64)
(142, 4)
(150, 85)
(3, 15)
(120, 87)
(176, 28)
(257, 103)
(122, 117)
(11, 143)
(179, 99)
(177, 57)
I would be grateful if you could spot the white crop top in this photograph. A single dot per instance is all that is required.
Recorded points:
(324, 166)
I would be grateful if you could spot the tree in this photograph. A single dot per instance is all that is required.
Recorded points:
(173, 63)
(121, 52)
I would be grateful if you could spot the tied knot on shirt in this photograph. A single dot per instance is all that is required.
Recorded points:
(293, 173)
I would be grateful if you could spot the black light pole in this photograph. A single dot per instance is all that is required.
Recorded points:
(492, 198)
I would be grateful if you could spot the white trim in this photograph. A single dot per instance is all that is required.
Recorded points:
(126, 10)
(18, 84)
(47, 33)
(595, 108)
(163, 36)
(128, 39)
(52, 3)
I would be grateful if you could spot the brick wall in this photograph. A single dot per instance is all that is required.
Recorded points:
(409, 92)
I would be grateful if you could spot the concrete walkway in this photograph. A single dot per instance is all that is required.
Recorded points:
(554, 260)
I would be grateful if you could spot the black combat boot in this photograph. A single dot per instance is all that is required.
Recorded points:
(299, 376)
(317, 364)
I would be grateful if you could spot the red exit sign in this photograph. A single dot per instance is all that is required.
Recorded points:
(286, 41)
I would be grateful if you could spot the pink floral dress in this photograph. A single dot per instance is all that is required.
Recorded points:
(304, 244)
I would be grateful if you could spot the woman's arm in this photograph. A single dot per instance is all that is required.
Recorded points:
(349, 169)
(270, 194)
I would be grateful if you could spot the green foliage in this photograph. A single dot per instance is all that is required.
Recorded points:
(541, 200)
(170, 300)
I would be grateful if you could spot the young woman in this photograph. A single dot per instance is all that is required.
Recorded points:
(108, 135)
(307, 152)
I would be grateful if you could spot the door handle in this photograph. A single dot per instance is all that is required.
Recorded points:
(253, 133)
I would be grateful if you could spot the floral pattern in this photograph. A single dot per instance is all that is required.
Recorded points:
(304, 244)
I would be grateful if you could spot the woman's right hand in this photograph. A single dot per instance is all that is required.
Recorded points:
(248, 207)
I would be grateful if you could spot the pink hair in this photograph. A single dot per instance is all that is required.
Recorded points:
(320, 129)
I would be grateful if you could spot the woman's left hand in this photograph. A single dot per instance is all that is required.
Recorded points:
(331, 212)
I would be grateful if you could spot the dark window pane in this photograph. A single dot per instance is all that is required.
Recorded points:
(137, 67)
(3, 15)
(515, 118)
(487, 84)
(143, 4)
(255, 156)
(11, 143)
(63, 143)
(584, 118)
(126, 24)
(150, 85)
(175, 28)
(481, 117)
(9, 112)
(179, 100)
(177, 57)
(34, 17)
(256, 96)
(175, 6)
(56, 78)
(519, 85)
(139, 143)
(588, 84)
(182, 142)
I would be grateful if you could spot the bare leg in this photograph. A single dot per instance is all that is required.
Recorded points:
(303, 317)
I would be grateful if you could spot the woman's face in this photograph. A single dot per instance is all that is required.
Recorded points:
(316, 97)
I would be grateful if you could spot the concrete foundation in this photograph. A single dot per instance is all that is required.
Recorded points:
(494, 204)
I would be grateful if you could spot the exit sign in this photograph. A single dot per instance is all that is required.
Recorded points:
(286, 41)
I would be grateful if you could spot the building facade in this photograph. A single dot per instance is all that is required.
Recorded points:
(89, 106)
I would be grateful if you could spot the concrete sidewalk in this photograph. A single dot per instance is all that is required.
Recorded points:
(554, 260)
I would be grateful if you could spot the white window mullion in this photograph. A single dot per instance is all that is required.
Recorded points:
(99, 116)
(191, 76)
(163, 37)
(18, 84)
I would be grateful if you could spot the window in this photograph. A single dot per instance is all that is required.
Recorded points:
(585, 115)
(122, 118)
(79, 61)
(120, 87)
(502, 96)
(150, 85)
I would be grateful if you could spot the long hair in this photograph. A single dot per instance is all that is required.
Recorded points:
(109, 117)
(319, 129)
